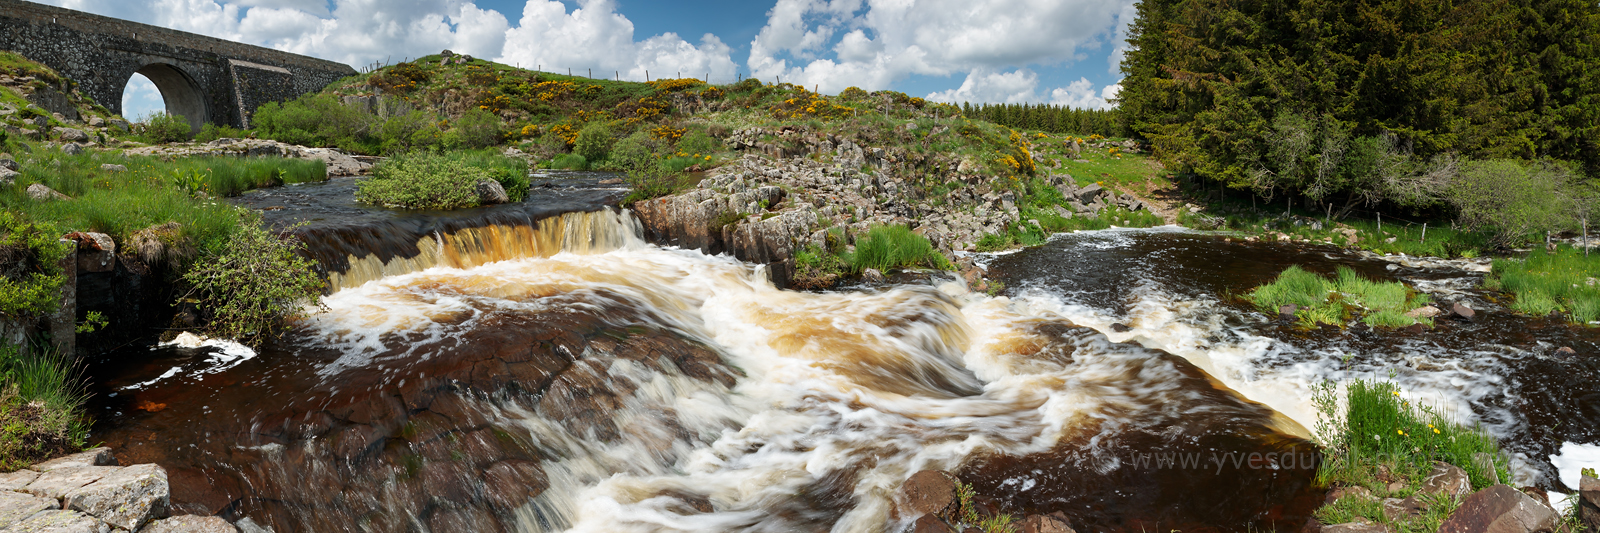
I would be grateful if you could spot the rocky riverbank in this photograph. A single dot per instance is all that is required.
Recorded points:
(88, 493)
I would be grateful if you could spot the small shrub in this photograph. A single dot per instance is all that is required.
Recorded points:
(1378, 427)
(890, 247)
(252, 284)
(594, 142)
(1546, 282)
(636, 152)
(479, 128)
(697, 142)
(41, 407)
(164, 128)
(30, 279)
(422, 181)
(656, 183)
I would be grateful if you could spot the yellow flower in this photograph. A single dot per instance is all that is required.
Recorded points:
(1436, 431)
(1399, 431)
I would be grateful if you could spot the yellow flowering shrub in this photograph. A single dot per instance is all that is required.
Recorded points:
(667, 132)
(675, 84)
(567, 133)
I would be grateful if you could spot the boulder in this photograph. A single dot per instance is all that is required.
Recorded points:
(118, 124)
(72, 149)
(16, 507)
(108, 167)
(91, 457)
(190, 524)
(1500, 509)
(1089, 193)
(1485, 463)
(1063, 212)
(872, 275)
(8, 176)
(1346, 492)
(59, 522)
(71, 135)
(126, 498)
(1045, 524)
(97, 122)
(6, 162)
(491, 193)
(58, 482)
(1461, 310)
(249, 525)
(1398, 510)
(930, 524)
(1286, 312)
(17, 480)
(1426, 311)
(265, 150)
(1589, 502)
(40, 192)
(1447, 478)
(925, 494)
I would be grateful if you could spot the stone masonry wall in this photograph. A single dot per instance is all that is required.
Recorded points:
(102, 53)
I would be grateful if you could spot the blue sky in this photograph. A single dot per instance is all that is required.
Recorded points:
(1039, 51)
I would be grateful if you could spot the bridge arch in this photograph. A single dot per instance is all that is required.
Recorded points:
(182, 94)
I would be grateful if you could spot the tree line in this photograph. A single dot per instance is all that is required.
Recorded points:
(1051, 118)
(1425, 104)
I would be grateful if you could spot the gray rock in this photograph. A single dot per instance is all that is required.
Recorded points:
(1485, 463)
(8, 176)
(59, 522)
(72, 148)
(6, 162)
(126, 498)
(97, 122)
(108, 167)
(1448, 479)
(1461, 310)
(267, 150)
(490, 192)
(40, 192)
(190, 524)
(16, 507)
(872, 275)
(1089, 193)
(1398, 510)
(248, 525)
(118, 124)
(58, 482)
(17, 480)
(72, 135)
(1064, 212)
(1500, 509)
(91, 457)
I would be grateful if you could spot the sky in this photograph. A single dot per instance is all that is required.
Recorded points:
(1062, 52)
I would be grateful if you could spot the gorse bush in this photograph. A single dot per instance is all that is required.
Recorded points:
(1333, 301)
(253, 283)
(890, 247)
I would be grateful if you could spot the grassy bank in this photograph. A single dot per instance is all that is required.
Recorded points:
(1336, 301)
(1381, 442)
(884, 248)
(1563, 281)
(41, 408)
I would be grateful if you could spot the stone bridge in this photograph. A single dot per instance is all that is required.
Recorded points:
(204, 79)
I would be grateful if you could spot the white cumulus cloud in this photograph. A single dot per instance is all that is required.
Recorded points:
(1022, 85)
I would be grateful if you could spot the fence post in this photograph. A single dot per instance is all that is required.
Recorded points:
(1424, 233)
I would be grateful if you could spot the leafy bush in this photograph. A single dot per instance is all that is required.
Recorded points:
(423, 180)
(254, 282)
(890, 247)
(697, 142)
(409, 131)
(212, 132)
(164, 128)
(594, 142)
(635, 152)
(1511, 198)
(511, 172)
(317, 120)
(479, 128)
(30, 279)
(655, 183)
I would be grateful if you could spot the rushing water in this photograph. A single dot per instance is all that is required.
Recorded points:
(562, 374)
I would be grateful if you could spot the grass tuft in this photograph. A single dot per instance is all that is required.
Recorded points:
(1332, 301)
(1546, 282)
(891, 247)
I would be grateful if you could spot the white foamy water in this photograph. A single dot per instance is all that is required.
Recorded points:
(844, 395)
(223, 354)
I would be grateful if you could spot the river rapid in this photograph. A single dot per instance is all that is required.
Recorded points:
(565, 375)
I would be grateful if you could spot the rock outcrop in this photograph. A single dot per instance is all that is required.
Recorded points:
(1501, 509)
(86, 492)
(339, 163)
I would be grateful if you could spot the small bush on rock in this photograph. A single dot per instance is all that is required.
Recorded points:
(252, 284)
(423, 181)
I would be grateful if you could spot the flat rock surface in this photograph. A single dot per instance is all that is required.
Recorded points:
(1447, 478)
(16, 506)
(17, 480)
(927, 492)
(60, 522)
(58, 482)
(126, 498)
(1355, 527)
(190, 524)
(91, 457)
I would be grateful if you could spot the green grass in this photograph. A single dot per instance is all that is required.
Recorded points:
(1545, 282)
(815, 268)
(1334, 301)
(895, 247)
(1375, 429)
(41, 407)
(569, 162)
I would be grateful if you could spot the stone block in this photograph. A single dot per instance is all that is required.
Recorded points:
(58, 482)
(925, 493)
(190, 524)
(17, 480)
(16, 507)
(59, 522)
(91, 457)
(126, 498)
